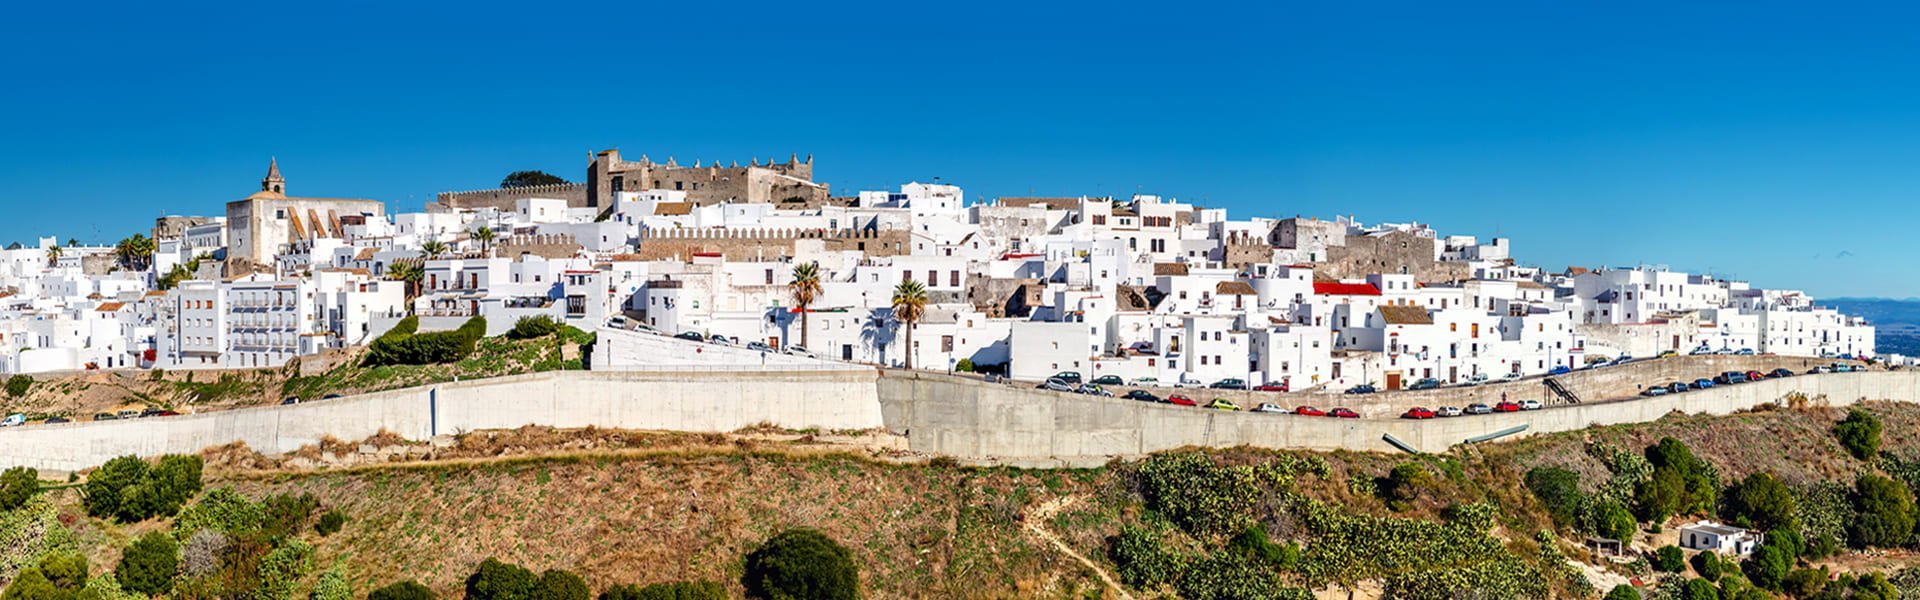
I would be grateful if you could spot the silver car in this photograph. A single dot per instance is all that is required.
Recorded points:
(1269, 407)
(1449, 411)
(1057, 386)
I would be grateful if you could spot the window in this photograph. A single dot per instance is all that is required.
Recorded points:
(953, 278)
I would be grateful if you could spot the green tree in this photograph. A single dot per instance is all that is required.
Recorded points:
(403, 590)
(31, 584)
(53, 255)
(1761, 502)
(805, 288)
(1707, 565)
(485, 236)
(556, 584)
(19, 385)
(1859, 433)
(105, 488)
(1669, 559)
(17, 486)
(1883, 512)
(433, 248)
(909, 304)
(135, 252)
(537, 326)
(1559, 490)
(1768, 566)
(148, 566)
(1613, 521)
(496, 580)
(1700, 589)
(409, 274)
(1403, 484)
(518, 179)
(801, 564)
(1681, 483)
(1143, 560)
(1624, 591)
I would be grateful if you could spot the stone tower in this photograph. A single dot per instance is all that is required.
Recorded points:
(273, 182)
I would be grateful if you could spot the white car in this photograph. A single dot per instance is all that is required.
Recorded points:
(1475, 379)
(14, 419)
(1269, 407)
(1449, 411)
(1057, 386)
(1529, 405)
(1510, 376)
(798, 350)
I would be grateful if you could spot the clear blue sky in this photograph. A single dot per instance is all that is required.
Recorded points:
(1773, 141)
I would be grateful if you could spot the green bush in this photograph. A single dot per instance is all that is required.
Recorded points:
(495, 580)
(58, 576)
(330, 522)
(283, 568)
(801, 564)
(332, 586)
(407, 347)
(148, 566)
(1624, 591)
(1231, 576)
(31, 584)
(1144, 561)
(404, 590)
(1768, 566)
(1559, 490)
(222, 510)
(537, 326)
(1669, 559)
(679, 590)
(1403, 484)
(19, 385)
(1884, 512)
(17, 486)
(964, 365)
(1680, 483)
(1612, 520)
(1707, 565)
(1254, 544)
(1761, 502)
(1208, 500)
(1700, 589)
(284, 515)
(1859, 433)
(1802, 583)
(556, 584)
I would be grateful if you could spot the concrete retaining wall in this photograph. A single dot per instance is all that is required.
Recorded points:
(703, 401)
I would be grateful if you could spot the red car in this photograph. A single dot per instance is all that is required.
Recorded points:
(1309, 411)
(1756, 376)
(1417, 412)
(1270, 387)
(1507, 407)
(1181, 400)
(1344, 413)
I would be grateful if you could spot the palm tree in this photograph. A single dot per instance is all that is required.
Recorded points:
(433, 248)
(409, 273)
(53, 255)
(805, 288)
(909, 304)
(134, 252)
(485, 235)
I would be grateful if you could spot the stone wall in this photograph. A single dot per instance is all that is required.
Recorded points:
(766, 244)
(1393, 253)
(504, 198)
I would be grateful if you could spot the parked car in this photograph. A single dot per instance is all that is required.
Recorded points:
(1702, 383)
(1449, 411)
(1475, 379)
(1756, 376)
(1147, 381)
(1270, 387)
(1142, 395)
(1654, 391)
(1093, 390)
(1417, 412)
(104, 416)
(1844, 368)
(798, 350)
(329, 396)
(1479, 409)
(1229, 384)
(1677, 388)
(692, 336)
(1559, 370)
(1181, 400)
(1779, 373)
(1667, 354)
(1701, 350)
(1531, 405)
(1744, 352)
(1072, 377)
(1343, 413)
(1269, 407)
(1109, 380)
(1222, 404)
(289, 400)
(53, 420)
(1505, 406)
(1056, 385)
(1308, 411)
(1360, 389)
(1624, 359)
(1510, 377)
(1425, 384)
(759, 347)
(1819, 370)
(720, 340)
(1730, 378)
(13, 419)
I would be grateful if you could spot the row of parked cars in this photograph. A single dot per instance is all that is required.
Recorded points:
(1421, 412)
(1737, 377)
(1069, 382)
(721, 340)
(21, 419)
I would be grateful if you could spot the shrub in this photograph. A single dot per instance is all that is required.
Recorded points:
(1612, 520)
(1707, 565)
(1206, 499)
(964, 365)
(1559, 490)
(1624, 591)
(202, 552)
(1145, 561)
(330, 522)
(679, 590)
(1859, 433)
(404, 590)
(1768, 567)
(282, 569)
(496, 580)
(31, 584)
(1669, 559)
(1884, 512)
(19, 385)
(801, 564)
(1700, 589)
(332, 586)
(1803, 583)
(1761, 502)
(284, 515)
(537, 326)
(1681, 483)
(222, 510)
(105, 488)
(556, 584)
(1254, 544)
(1230, 576)
(1403, 484)
(148, 566)
(17, 486)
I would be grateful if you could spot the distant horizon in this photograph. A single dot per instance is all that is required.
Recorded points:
(1768, 143)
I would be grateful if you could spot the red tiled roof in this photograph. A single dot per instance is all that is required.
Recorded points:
(1335, 288)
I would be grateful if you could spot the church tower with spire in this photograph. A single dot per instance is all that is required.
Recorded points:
(273, 182)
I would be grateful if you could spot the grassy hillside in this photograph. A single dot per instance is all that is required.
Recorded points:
(626, 507)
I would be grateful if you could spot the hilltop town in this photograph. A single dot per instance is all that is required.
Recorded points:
(1146, 289)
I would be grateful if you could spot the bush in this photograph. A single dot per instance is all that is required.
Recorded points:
(964, 365)
(679, 590)
(1681, 483)
(1859, 433)
(284, 515)
(148, 566)
(1254, 544)
(537, 326)
(801, 564)
(1613, 521)
(17, 486)
(1669, 559)
(19, 385)
(1624, 591)
(330, 522)
(1700, 589)
(58, 576)
(106, 487)
(1803, 583)
(1402, 485)
(1559, 490)
(332, 586)
(496, 580)
(556, 584)
(31, 584)
(222, 510)
(1707, 565)
(1769, 565)
(1229, 576)
(282, 569)
(1884, 512)
(1143, 560)
(1761, 502)
(404, 590)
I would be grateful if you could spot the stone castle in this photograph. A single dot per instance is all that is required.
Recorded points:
(789, 184)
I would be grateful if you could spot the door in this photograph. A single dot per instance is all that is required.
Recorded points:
(1453, 374)
(846, 352)
(1393, 381)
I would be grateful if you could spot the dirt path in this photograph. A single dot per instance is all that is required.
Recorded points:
(1036, 522)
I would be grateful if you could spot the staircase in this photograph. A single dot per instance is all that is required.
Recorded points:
(1560, 391)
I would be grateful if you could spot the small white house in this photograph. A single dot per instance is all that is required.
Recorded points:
(1726, 539)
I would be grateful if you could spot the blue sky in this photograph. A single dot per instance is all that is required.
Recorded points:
(1772, 141)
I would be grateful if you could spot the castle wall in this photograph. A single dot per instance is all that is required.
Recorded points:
(504, 198)
(743, 244)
